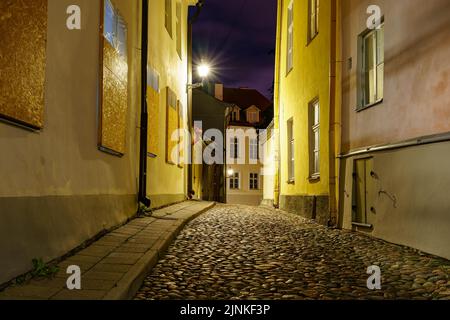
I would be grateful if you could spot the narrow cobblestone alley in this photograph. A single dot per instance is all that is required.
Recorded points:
(239, 252)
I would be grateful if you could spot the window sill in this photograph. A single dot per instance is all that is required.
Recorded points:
(362, 225)
(314, 178)
(291, 181)
(359, 109)
(311, 39)
(289, 72)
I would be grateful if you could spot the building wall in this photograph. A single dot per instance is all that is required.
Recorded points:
(164, 58)
(244, 195)
(309, 79)
(269, 166)
(417, 73)
(409, 194)
(409, 197)
(210, 111)
(57, 189)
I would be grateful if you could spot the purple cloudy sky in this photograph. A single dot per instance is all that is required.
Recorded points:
(237, 37)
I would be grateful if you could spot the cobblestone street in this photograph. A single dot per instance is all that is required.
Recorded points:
(239, 252)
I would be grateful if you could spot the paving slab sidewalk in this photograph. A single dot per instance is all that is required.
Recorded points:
(114, 267)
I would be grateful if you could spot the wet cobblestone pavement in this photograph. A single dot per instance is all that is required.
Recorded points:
(240, 252)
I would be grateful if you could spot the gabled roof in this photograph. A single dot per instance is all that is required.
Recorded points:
(245, 98)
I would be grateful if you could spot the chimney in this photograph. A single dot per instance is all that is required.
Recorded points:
(218, 91)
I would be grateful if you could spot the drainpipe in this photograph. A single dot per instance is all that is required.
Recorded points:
(191, 21)
(277, 107)
(142, 197)
(334, 129)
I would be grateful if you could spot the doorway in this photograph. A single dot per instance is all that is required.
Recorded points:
(363, 206)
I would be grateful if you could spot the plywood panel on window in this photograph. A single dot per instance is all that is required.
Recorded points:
(114, 82)
(23, 37)
(153, 96)
(172, 124)
(181, 154)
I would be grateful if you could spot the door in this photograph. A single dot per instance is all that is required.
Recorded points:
(363, 193)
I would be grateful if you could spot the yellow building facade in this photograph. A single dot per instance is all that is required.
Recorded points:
(71, 132)
(167, 99)
(307, 108)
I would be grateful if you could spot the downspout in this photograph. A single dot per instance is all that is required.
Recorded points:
(334, 129)
(191, 21)
(142, 197)
(277, 178)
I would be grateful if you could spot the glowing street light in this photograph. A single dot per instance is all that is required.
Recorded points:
(230, 173)
(203, 70)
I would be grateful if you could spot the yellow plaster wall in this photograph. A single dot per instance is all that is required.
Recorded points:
(166, 179)
(308, 79)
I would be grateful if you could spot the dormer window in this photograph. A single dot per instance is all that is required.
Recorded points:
(253, 116)
(235, 114)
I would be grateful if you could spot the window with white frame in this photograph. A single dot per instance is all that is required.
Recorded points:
(291, 150)
(168, 16)
(254, 181)
(253, 149)
(235, 181)
(314, 140)
(178, 27)
(234, 148)
(372, 67)
(313, 19)
(290, 37)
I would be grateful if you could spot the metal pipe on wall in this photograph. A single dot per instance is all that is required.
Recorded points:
(142, 197)
(191, 21)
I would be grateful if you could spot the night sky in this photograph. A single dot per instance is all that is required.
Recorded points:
(237, 38)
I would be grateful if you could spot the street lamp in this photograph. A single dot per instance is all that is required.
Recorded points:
(230, 173)
(203, 71)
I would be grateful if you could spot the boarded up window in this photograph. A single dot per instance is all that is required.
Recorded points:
(180, 138)
(153, 96)
(114, 82)
(23, 30)
(172, 121)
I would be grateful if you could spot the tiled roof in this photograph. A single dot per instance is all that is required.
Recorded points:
(245, 98)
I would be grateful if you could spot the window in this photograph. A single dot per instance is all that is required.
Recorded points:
(314, 140)
(254, 177)
(253, 149)
(172, 125)
(291, 155)
(234, 148)
(235, 115)
(290, 39)
(253, 116)
(153, 102)
(235, 181)
(313, 19)
(23, 59)
(372, 73)
(113, 107)
(178, 28)
(168, 16)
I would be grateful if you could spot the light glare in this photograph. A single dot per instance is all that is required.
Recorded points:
(203, 70)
